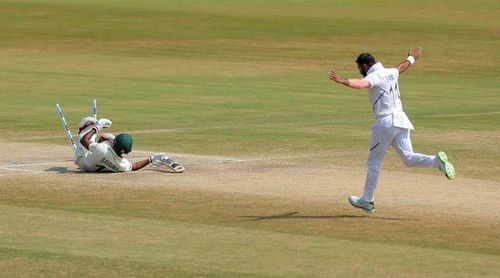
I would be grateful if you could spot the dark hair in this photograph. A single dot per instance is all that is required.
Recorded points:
(366, 59)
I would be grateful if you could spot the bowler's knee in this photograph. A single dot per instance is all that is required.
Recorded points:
(407, 159)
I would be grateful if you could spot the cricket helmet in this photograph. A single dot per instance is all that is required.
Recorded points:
(123, 144)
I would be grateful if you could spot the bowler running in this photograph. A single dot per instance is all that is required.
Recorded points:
(391, 126)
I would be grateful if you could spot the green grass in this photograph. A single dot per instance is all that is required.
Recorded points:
(194, 249)
(152, 231)
(242, 78)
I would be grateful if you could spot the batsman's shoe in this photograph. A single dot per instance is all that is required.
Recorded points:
(358, 202)
(445, 166)
(174, 166)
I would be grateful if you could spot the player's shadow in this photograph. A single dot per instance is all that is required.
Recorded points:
(295, 215)
(64, 170)
(61, 170)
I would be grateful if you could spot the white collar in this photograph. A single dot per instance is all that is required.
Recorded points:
(375, 67)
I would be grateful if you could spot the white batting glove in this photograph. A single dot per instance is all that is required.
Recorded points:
(156, 158)
(102, 123)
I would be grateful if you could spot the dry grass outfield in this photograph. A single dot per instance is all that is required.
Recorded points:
(246, 79)
(229, 217)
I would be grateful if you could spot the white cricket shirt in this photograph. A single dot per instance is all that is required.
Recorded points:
(102, 157)
(385, 99)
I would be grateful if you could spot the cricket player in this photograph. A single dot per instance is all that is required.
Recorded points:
(104, 153)
(391, 126)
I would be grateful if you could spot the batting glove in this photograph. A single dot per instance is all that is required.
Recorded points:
(102, 123)
(156, 158)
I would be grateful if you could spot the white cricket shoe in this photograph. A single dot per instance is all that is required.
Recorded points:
(445, 166)
(358, 202)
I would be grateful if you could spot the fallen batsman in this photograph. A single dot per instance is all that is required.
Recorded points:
(104, 153)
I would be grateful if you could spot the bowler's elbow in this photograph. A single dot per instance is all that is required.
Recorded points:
(359, 84)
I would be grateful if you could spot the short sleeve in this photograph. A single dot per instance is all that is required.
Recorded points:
(97, 148)
(125, 166)
(372, 79)
(395, 71)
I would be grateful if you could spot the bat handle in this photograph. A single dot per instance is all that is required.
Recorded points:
(94, 108)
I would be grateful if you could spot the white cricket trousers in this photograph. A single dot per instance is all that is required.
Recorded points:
(399, 138)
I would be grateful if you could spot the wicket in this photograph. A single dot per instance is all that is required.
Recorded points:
(66, 128)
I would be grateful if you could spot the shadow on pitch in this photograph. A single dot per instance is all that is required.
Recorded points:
(60, 170)
(295, 215)
(65, 170)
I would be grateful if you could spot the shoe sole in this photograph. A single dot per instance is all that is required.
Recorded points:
(364, 209)
(448, 167)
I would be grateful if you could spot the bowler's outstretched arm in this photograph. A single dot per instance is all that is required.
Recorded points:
(415, 54)
(351, 83)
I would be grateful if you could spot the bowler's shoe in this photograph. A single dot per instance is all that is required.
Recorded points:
(359, 202)
(445, 166)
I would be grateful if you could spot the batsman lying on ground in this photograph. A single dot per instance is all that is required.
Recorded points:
(105, 153)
